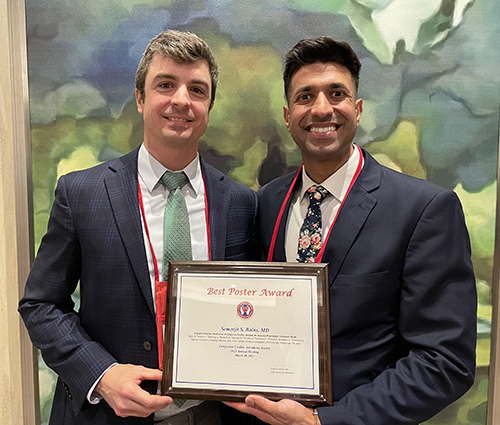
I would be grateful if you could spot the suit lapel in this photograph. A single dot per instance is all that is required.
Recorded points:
(218, 198)
(122, 188)
(279, 250)
(357, 207)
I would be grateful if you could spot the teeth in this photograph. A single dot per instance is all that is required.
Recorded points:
(177, 119)
(322, 129)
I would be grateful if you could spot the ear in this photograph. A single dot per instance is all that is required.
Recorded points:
(286, 116)
(139, 102)
(211, 106)
(359, 110)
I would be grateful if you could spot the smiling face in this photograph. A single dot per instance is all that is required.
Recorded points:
(175, 107)
(322, 116)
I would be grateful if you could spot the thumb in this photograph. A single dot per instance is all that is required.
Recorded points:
(258, 402)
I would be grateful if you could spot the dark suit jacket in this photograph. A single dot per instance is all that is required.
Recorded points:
(95, 236)
(402, 297)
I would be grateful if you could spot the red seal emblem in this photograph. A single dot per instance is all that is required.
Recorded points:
(245, 310)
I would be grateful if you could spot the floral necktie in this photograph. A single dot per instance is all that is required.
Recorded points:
(310, 236)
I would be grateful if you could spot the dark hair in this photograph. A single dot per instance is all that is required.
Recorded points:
(323, 50)
(182, 47)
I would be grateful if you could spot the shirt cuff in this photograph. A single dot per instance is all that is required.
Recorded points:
(92, 396)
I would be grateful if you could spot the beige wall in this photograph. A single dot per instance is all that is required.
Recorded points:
(494, 383)
(18, 383)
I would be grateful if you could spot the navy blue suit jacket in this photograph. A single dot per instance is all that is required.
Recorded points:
(402, 297)
(95, 236)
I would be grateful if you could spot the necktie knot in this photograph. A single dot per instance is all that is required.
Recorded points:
(173, 180)
(317, 193)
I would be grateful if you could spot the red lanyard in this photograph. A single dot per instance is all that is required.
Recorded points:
(161, 286)
(287, 197)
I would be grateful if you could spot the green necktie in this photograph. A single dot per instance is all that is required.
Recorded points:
(176, 231)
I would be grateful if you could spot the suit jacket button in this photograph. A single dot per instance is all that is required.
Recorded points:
(68, 392)
(147, 345)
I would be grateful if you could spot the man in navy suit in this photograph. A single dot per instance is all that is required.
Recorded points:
(106, 233)
(402, 287)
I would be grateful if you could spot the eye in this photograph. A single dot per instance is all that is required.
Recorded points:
(198, 90)
(303, 97)
(165, 85)
(338, 93)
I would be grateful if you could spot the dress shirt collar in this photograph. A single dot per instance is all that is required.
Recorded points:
(151, 171)
(338, 183)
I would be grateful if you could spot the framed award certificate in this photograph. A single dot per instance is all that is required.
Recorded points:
(239, 328)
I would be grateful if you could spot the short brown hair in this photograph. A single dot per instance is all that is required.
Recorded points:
(182, 47)
(323, 50)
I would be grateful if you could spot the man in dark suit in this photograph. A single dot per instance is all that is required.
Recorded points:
(106, 233)
(402, 287)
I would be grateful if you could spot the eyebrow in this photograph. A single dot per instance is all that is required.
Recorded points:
(164, 76)
(331, 86)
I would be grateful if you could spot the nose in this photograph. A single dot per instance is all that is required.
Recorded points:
(321, 107)
(181, 96)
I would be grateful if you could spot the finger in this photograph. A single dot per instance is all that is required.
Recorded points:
(235, 405)
(242, 407)
(260, 403)
(281, 412)
(150, 402)
(158, 402)
(146, 374)
(142, 405)
(259, 410)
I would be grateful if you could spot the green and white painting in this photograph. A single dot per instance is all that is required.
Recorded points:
(430, 81)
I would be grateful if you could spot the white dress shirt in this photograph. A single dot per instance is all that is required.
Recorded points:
(154, 196)
(337, 184)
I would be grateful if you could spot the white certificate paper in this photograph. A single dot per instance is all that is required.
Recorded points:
(245, 333)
